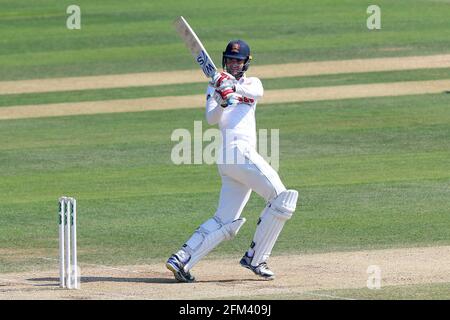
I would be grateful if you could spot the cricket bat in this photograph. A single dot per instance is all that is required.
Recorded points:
(195, 46)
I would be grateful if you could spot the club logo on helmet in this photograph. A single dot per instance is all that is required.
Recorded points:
(235, 47)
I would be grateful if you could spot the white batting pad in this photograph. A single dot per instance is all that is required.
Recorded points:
(210, 234)
(271, 222)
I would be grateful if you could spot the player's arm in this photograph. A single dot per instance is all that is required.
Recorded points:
(251, 88)
(213, 109)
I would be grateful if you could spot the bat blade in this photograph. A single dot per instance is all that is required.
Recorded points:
(195, 46)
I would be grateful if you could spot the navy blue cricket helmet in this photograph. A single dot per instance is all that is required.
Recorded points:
(237, 49)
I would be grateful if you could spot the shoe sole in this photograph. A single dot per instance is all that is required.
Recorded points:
(177, 274)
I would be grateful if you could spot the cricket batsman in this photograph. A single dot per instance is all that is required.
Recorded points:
(231, 100)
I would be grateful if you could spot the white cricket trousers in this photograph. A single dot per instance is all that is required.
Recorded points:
(239, 179)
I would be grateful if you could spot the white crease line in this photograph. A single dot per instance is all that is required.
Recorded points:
(326, 296)
(109, 294)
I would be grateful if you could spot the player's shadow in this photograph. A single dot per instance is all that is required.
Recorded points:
(87, 279)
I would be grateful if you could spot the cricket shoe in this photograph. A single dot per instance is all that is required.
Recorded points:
(261, 269)
(177, 267)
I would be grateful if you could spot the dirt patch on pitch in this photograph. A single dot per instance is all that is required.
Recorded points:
(219, 279)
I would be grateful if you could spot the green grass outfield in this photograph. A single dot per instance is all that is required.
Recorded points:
(372, 173)
(136, 36)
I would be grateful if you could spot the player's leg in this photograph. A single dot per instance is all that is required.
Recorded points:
(223, 226)
(254, 172)
(258, 175)
(268, 229)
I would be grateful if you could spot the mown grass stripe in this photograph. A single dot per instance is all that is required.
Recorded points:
(195, 76)
(196, 88)
(194, 101)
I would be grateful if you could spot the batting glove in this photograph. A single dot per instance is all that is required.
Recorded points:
(219, 78)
